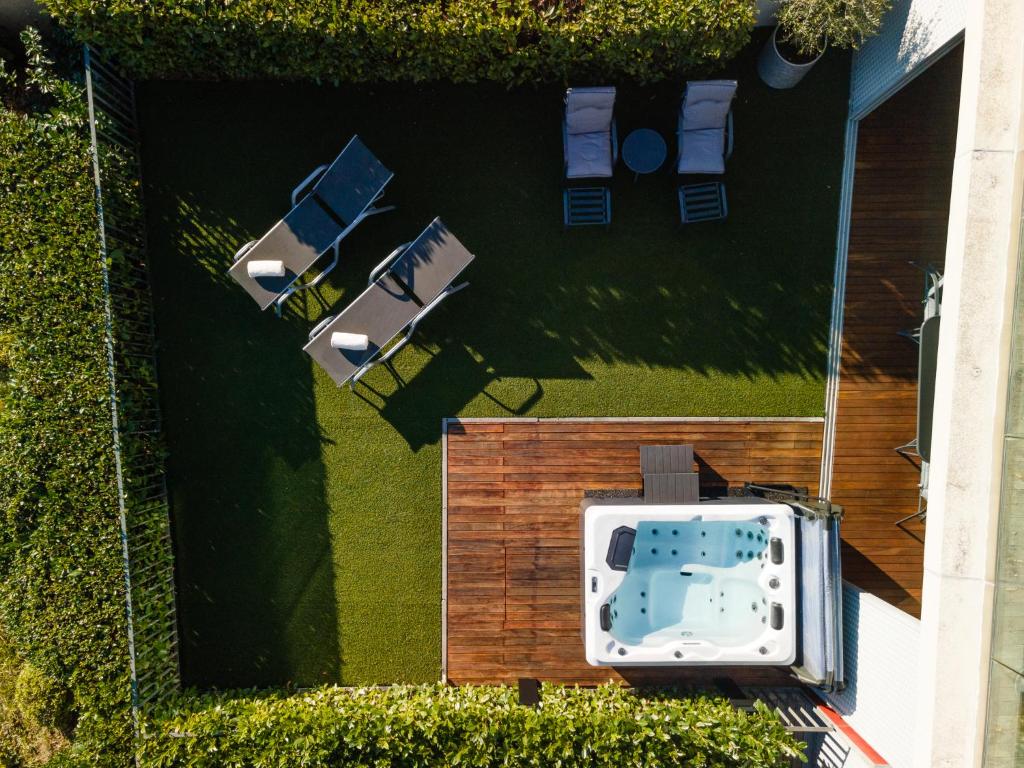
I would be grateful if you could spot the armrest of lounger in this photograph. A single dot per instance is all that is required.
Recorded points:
(320, 326)
(243, 250)
(728, 135)
(306, 183)
(615, 143)
(381, 268)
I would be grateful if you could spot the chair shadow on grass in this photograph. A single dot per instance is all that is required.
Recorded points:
(461, 367)
(450, 380)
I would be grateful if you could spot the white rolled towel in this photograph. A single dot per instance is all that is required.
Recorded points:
(265, 268)
(357, 342)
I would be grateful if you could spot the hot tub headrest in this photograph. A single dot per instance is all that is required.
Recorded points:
(620, 548)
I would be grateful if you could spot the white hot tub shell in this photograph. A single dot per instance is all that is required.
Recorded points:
(695, 584)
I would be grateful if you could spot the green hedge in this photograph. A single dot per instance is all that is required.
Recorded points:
(62, 596)
(32, 711)
(436, 725)
(509, 41)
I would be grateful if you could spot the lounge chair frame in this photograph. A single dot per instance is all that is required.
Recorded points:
(382, 357)
(301, 190)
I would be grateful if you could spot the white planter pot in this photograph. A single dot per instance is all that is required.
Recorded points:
(777, 71)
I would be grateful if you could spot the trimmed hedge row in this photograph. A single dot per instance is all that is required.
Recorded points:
(62, 592)
(511, 41)
(469, 726)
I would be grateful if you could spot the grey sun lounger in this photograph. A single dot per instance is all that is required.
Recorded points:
(705, 126)
(326, 206)
(402, 290)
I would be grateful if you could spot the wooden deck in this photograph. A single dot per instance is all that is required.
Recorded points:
(899, 213)
(513, 495)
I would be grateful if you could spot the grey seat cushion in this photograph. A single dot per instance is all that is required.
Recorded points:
(588, 155)
(589, 110)
(702, 151)
(707, 104)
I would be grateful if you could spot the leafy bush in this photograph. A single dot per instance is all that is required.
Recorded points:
(62, 599)
(808, 24)
(38, 697)
(513, 41)
(469, 726)
(24, 741)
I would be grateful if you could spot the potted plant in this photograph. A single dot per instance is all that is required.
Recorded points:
(806, 27)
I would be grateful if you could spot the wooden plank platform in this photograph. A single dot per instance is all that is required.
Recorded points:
(513, 495)
(898, 224)
(899, 213)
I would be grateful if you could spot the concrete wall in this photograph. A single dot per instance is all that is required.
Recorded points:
(971, 391)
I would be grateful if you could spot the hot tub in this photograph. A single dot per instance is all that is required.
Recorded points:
(695, 584)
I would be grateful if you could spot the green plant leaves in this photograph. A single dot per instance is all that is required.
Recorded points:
(470, 727)
(511, 42)
(809, 24)
(62, 587)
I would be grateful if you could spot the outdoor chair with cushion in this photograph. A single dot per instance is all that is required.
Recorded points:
(326, 206)
(589, 139)
(402, 290)
(705, 131)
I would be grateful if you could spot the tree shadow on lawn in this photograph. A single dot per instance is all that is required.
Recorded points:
(244, 469)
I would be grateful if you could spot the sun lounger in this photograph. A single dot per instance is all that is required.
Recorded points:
(403, 289)
(326, 206)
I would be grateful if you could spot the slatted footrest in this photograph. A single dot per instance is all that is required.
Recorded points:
(586, 205)
(702, 202)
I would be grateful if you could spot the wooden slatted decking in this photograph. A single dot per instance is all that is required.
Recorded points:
(900, 208)
(513, 495)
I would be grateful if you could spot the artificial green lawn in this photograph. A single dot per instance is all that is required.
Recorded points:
(307, 517)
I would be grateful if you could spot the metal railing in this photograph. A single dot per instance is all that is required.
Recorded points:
(135, 406)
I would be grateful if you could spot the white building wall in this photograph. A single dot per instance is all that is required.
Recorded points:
(914, 34)
(880, 645)
(971, 390)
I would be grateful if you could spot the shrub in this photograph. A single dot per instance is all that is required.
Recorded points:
(62, 599)
(38, 697)
(512, 42)
(24, 741)
(808, 24)
(435, 725)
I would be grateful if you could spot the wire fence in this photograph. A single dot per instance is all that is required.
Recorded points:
(135, 411)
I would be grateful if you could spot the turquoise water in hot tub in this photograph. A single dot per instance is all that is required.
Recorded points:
(692, 580)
